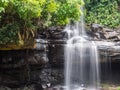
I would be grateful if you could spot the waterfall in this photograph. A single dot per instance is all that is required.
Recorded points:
(81, 59)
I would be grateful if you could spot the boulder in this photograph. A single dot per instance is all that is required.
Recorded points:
(99, 32)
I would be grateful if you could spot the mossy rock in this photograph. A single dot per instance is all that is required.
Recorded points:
(27, 45)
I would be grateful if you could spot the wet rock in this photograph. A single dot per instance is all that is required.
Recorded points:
(96, 27)
(99, 32)
(38, 87)
(41, 44)
(96, 31)
(38, 58)
(4, 88)
(48, 77)
(12, 62)
(29, 87)
(56, 32)
(32, 57)
(57, 41)
(56, 54)
(10, 82)
(109, 51)
(51, 33)
(110, 34)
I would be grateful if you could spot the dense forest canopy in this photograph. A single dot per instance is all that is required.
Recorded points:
(19, 19)
(104, 12)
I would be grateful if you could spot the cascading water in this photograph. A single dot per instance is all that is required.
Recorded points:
(81, 56)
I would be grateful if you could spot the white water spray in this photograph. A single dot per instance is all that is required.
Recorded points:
(81, 56)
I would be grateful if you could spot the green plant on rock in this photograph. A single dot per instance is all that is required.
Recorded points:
(21, 13)
(103, 12)
(8, 34)
(19, 19)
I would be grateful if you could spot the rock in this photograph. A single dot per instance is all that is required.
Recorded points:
(29, 87)
(47, 77)
(51, 33)
(38, 59)
(56, 54)
(110, 34)
(57, 34)
(10, 82)
(38, 87)
(41, 44)
(4, 88)
(108, 51)
(99, 32)
(41, 58)
(96, 27)
(96, 31)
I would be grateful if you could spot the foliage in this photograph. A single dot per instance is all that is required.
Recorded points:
(66, 12)
(20, 18)
(118, 88)
(103, 12)
(8, 34)
(62, 12)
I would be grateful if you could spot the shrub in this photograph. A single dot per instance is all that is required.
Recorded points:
(103, 12)
(20, 18)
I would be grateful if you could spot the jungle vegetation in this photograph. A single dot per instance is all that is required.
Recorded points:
(19, 19)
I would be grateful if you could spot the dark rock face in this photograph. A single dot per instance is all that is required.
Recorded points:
(99, 32)
(109, 53)
(56, 54)
(42, 68)
(16, 66)
(52, 33)
(36, 69)
(16, 59)
(106, 36)
(39, 58)
(52, 76)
